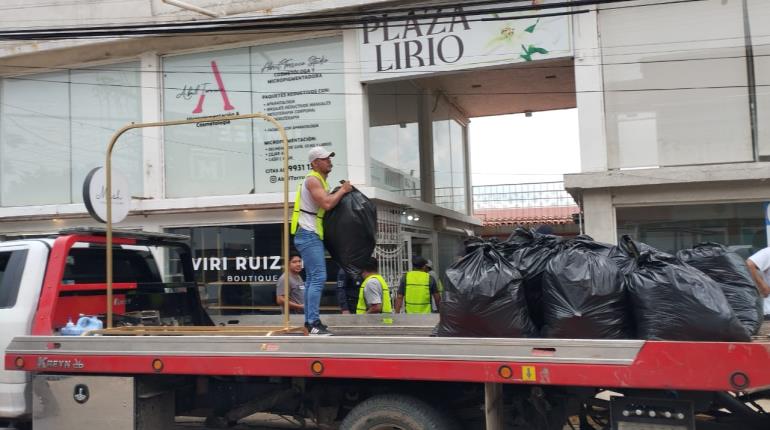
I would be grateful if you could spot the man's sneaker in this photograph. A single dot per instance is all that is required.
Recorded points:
(318, 329)
(326, 327)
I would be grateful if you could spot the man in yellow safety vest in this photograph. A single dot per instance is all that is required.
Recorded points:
(417, 286)
(310, 204)
(374, 294)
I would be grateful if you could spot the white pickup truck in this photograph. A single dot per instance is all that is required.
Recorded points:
(26, 309)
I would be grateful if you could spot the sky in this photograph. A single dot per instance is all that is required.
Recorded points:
(513, 149)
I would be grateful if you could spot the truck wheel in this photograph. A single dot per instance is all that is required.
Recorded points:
(401, 412)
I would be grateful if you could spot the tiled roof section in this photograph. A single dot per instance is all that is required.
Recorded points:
(554, 215)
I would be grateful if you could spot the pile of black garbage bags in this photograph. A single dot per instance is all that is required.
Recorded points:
(541, 285)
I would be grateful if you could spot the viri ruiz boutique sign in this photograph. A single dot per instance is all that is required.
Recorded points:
(445, 39)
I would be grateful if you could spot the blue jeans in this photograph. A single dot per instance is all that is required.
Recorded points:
(311, 249)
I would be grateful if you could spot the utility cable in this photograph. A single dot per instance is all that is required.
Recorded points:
(302, 22)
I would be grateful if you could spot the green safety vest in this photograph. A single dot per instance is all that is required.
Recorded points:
(319, 216)
(417, 295)
(386, 306)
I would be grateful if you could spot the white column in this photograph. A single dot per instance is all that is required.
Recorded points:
(599, 215)
(152, 137)
(589, 86)
(356, 112)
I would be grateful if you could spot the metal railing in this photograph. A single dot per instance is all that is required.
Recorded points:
(524, 203)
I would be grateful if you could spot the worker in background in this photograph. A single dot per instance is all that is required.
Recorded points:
(310, 204)
(374, 294)
(296, 287)
(347, 291)
(416, 288)
(759, 266)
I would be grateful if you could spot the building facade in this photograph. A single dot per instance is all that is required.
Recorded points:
(672, 97)
(675, 123)
(392, 98)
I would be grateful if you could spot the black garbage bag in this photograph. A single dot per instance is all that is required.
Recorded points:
(627, 251)
(584, 295)
(675, 301)
(483, 297)
(350, 231)
(530, 252)
(729, 270)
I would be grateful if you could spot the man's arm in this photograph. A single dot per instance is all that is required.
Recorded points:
(399, 302)
(373, 297)
(281, 299)
(434, 292)
(342, 297)
(762, 286)
(400, 294)
(321, 197)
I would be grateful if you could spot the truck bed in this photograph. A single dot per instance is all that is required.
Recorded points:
(397, 351)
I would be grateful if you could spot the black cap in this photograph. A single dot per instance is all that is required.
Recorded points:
(419, 261)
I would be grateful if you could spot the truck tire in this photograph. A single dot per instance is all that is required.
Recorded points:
(393, 411)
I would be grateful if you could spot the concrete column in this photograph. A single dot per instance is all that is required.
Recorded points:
(427, 183)
(356, 113)
(152, 137)
(599, 215)
(595, 156)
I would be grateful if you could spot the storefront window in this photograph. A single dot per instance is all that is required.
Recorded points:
(302, 85)
(208, 158)
(394, 137)
(449, 160)
(299, 83)
(237, 268)
(55, 127)
(671, 228)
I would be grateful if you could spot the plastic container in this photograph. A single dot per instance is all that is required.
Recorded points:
(84, 324)
(71, 329)
(88, 323)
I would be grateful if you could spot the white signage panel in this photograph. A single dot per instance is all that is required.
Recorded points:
(301, 84)
(429, 43)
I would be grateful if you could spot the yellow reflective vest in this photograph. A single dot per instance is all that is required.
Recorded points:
(319, 216)
(417, 294)
(386, 305)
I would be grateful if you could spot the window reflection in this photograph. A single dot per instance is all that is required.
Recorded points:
(449, 161)
(394, 138)
(671, 228)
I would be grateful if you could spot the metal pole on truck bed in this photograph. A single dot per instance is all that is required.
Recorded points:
(108, 193)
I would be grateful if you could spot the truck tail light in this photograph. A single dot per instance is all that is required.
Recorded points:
(157, 365)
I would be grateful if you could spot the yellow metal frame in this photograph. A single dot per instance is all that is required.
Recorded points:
(285, 242)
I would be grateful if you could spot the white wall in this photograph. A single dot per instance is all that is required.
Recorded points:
(676, 84)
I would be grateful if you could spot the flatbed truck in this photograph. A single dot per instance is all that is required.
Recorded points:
(166, 358)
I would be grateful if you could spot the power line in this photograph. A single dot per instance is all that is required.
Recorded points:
(470, 93)
(344, 70)
(287, 19)
(302, 21)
